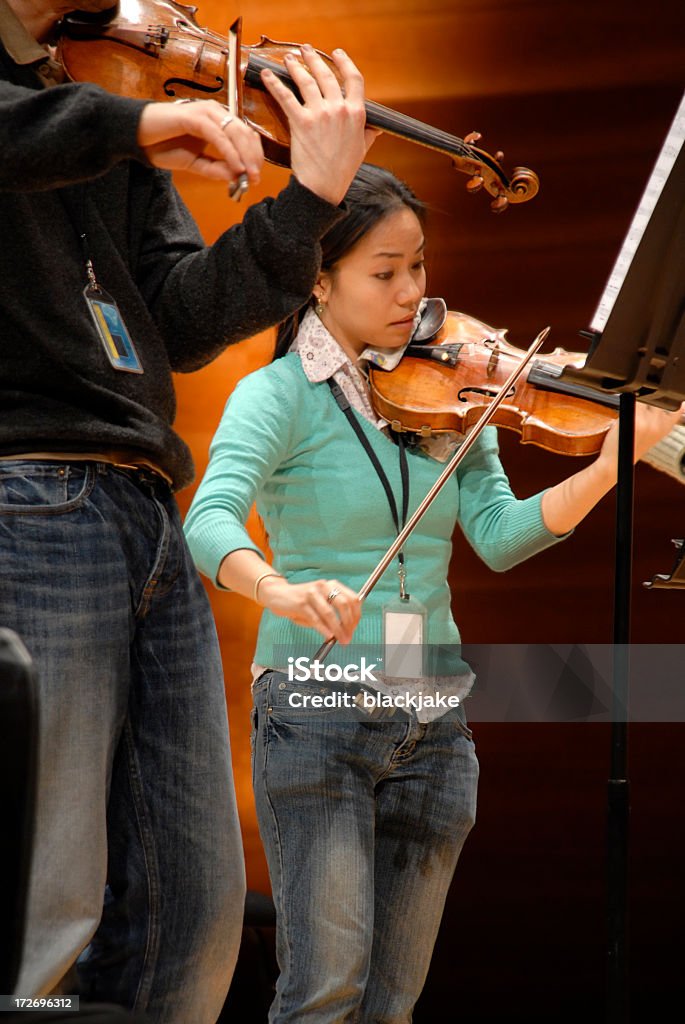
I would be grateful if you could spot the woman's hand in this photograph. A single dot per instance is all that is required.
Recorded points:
(564, 505)
(327, 606)
(651, 425)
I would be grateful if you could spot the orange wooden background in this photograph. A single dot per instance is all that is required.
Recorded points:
(583, 93)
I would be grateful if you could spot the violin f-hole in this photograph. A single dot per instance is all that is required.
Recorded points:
(486, 392)
(190, 84)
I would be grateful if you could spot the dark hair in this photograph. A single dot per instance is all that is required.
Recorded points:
(374, 193)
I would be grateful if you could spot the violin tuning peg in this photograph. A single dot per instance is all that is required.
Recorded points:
(472, 137)
(499, 205)
(474, 184)
(499, 156)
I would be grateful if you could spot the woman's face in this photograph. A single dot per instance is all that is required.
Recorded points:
(372, 294)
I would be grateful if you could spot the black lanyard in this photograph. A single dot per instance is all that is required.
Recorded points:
(74, 200)
(382, 476)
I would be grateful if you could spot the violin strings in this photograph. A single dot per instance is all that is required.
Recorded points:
(385, 117)
(391, 120)
(381, 116)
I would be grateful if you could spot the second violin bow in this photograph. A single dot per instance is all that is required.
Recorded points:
(239, 187)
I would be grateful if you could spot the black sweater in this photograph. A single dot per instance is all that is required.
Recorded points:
(67, 154)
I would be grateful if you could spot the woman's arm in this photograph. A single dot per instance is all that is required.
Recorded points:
(305, 604)
(505, 530)
(567, 503)
(254, 438)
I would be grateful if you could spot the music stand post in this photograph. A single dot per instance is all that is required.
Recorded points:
(618, 786)
(638, 350)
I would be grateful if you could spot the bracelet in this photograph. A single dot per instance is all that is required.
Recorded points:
(259, 579)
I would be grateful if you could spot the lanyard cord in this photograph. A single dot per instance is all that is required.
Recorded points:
(346, 408)
(75, 204)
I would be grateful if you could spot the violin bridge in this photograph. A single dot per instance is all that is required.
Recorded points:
(493, 360)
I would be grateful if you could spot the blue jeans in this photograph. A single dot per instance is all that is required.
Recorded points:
(362, 822)
(135, 798)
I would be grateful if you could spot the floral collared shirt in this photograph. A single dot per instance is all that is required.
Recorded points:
(322, 357)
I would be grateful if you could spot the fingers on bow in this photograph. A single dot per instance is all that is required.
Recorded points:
(237, 143)
(335, 610)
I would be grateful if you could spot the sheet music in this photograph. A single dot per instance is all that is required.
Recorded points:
(664, 164)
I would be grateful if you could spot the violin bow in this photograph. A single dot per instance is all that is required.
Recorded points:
(239, 187)
(447, 472)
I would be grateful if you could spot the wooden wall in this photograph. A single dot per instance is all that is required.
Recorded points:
(583, 93)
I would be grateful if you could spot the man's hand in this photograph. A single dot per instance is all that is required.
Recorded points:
(184, 136)
(327, 128)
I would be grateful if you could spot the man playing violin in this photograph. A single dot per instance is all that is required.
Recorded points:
(106, 288)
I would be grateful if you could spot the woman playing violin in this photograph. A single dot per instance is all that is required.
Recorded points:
(365, 782)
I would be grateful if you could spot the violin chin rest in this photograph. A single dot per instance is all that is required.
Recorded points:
(83, 24)
(433, 317)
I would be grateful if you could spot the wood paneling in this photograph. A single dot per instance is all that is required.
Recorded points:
(583, 93)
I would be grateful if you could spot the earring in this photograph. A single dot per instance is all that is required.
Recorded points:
(320, 307)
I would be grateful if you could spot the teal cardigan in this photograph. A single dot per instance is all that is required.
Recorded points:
(284, 443)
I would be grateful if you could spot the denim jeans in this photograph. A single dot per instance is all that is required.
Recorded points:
(135, 803)
(362, 822)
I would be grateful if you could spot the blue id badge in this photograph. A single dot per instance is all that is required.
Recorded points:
(111, 330)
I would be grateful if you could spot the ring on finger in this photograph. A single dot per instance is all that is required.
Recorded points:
(333, 594)
(226, 121)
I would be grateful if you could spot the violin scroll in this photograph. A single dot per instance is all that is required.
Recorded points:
(524, 184)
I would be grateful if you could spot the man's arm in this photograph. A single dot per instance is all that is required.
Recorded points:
(70, 133)
(256, 274)
(60, 136)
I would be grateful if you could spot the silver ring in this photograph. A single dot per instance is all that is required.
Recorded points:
(333, 594)
(226, 121)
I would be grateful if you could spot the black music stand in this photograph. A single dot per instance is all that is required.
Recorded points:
(640, 353)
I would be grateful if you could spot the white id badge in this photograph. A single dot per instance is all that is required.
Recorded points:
(403, 638)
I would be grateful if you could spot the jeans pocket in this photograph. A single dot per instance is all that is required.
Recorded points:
(43, 488)
(461, 723)
(296, 702)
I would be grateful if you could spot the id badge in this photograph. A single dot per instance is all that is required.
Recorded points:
(112, 330)
(403, 638)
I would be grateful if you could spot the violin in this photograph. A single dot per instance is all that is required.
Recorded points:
(456, 364)
(155, 49)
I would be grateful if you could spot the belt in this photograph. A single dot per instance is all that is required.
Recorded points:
(119, 459)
